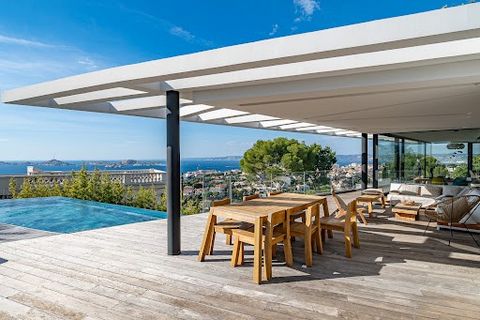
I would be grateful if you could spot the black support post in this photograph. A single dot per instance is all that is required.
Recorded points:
(469, 158)
(402, 160)
(397, 159)
(425, 160)
(375, 161)
(173, 172)
(364, 160)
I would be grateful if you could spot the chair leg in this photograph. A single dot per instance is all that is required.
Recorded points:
(212, 243)
(356, 239)
(308, 248)
(428, 225)
(318, 242)
(228, 239)
(348, 242)
(323, 233)
(235, 253)
(241, 254)
(362, 217)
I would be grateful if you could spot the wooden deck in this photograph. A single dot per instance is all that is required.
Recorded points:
(124, 273)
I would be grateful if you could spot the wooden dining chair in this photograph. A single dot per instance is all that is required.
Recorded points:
(251, 197)
(345, 221)
(310, 232)
(277, 228)
(226, 226)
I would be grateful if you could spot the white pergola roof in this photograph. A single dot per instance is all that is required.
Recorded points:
(412, 73)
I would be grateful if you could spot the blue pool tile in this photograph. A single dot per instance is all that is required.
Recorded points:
(65, 215)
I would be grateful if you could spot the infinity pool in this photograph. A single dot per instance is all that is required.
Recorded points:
(65, 215)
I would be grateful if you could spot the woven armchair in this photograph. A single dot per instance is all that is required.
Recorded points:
(452, 210)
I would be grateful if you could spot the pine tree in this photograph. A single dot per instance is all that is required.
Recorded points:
(94, 186)
(79, 185)
(12, 187)
(41, 188)
(118, 192)
(27, 189)
(106, 187)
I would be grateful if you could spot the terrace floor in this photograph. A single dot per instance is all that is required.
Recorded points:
(124, 273)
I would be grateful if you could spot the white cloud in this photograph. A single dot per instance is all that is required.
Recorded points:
(274, 30)
(87, 62)
(306, 8)
(182, 33)
(24, 42)
(169, 27)
(3, 140)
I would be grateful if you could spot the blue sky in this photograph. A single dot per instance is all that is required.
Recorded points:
(45, 40)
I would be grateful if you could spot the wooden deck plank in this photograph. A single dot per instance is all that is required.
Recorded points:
(124, 272)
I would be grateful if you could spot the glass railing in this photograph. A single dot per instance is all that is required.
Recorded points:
(202, 188)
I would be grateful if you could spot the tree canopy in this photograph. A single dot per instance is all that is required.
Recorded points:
(282, 155)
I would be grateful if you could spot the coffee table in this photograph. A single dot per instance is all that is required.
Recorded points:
(406, 211)
(369, 199)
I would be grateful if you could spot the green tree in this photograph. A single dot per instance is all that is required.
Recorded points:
(27, 189)
(146, 198)
(282, 155)
(56, 190)
(118, 192)
(129, 197)
(94, 186)
(79, 185)
(12, 187)
(42, 188)
(460, 171)
(440, 171)
(106, 188)
(191, 206)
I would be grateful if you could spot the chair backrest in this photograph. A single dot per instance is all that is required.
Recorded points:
(341, 205)
(223, 202)
(251, 197)
(272, 193)
(312, 215)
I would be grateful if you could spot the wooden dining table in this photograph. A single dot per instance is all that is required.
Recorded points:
(259, 212)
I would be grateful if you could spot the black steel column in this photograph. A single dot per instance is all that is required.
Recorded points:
(469, 158)
(375, 161)
(425, 160)
(402, 160)
(364, 160)
(397, 159)
(173, 172)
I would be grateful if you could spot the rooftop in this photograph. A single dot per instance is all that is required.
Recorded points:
(399, 74)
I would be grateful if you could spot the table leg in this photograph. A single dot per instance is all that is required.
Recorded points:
(207, 237)
(257, 251)
(326, 213)
(287, 245)
(267, 250)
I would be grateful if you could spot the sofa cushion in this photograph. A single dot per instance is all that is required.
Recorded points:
(430, 191)
(451, 191)
(395, 187)
(473, 218)
(371, 191)
(453, 210)
(409, 189)
(395, 197)
(473, 196)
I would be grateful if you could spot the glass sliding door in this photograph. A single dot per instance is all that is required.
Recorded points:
(387, 163)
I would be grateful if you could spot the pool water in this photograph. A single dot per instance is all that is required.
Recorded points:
(65, 215)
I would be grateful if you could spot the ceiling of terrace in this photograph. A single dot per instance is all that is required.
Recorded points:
(407, 74)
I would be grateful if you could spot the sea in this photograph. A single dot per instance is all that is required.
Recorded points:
(187, 165)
